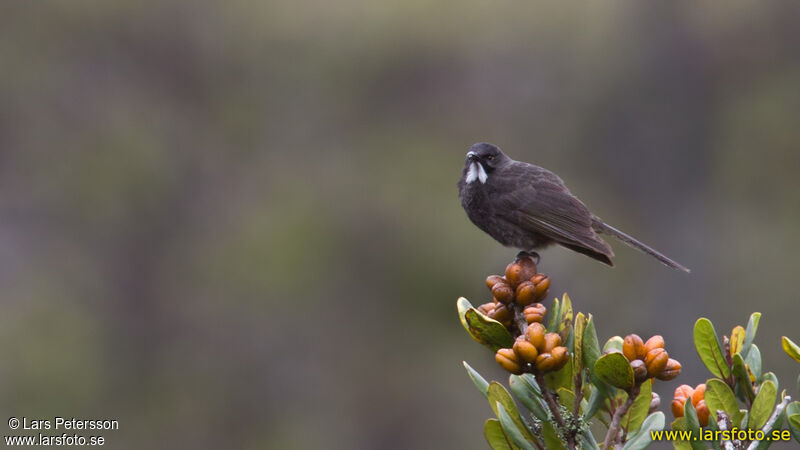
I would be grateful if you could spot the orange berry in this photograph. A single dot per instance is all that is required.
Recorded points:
(545, 362)
(501, 313)
(508, 360)
(541, 287)
(551, 341)
(654, 342)
(655, 402)
(672, 370)
(520, 270)
(535, 335)
(699, 394)
(633, 347)
(514, 274)
(677, 408)
(503, 293)
(534, 313)
(525, 293)
(656, 360)
(702, 413)
(486, 308)
(639, 370)
(561, 356)
(525, 350)
(682, 393)
(491, 280)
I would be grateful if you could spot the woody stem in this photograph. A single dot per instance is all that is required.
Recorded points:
(613, 429)
(554, 409)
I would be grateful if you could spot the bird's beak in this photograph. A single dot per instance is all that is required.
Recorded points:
(472, 157)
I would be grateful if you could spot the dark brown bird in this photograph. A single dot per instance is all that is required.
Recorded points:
(527, 207)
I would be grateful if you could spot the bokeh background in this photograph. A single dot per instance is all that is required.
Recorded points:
(236, 225)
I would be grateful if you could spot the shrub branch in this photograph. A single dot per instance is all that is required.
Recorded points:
(613, 429)
(552, 404)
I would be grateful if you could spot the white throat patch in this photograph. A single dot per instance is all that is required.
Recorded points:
(476, 172)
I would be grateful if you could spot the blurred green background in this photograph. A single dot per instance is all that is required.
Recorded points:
(236, 225)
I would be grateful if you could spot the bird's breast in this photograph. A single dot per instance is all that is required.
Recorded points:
(477, 204)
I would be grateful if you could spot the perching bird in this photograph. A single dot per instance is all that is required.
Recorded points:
(527, 207)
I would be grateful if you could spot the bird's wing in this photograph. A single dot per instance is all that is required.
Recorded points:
(541, 203)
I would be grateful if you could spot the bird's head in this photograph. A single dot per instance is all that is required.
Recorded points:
(482, 159)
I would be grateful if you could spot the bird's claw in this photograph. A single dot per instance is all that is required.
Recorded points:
(532, 255)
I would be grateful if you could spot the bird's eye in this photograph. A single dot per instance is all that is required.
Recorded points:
(490, 157)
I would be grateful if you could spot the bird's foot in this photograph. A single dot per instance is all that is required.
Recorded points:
(532, 255)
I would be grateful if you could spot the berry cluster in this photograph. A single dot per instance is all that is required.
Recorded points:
(521, 286)
(649, 359)
(535, 350)
(697, 394)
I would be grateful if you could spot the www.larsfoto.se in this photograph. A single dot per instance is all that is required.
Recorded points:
(59, 440)
(734, 434)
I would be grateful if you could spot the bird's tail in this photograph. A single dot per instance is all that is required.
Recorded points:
(601, 227)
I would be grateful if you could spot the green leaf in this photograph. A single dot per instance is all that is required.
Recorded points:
(707, 345)
(577, 342)
(763, 404)
(743, 383)
(794, 426)
(530, 382)
(737, 339)
(551, 439)
(714, 427)
(614, 369)
(719, 397)
(526, 390)
(591, 346)
(745, 414)
(510, 428)
(591, 353)
(613, 344)
(680, 424)
(495, 436)
(499, 395)
(463, 305)
(753, 361)
(596, 399)
(635, 416)
(587, 441)
(771, 377)
(488, 332)
(565, 317)
(681, 445)
(477, 379)
(791, 348)
(566, 398)
(692, 424)
(569, 342)
(770, 427)
(561, 378)
(793, 416)
(554, 316)
(750, 334)
(793, 408)
(643, 437)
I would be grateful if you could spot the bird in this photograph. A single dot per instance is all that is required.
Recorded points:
(527, 207)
